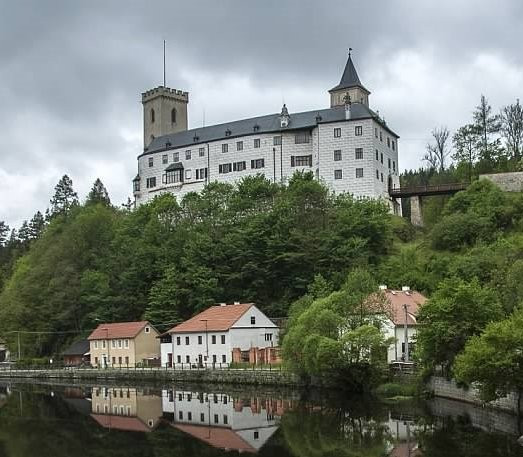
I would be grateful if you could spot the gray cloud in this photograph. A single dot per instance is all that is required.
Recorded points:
(71, 74)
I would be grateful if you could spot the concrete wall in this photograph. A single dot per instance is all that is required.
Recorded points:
(509, 182)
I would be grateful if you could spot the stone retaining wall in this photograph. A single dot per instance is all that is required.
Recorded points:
(508, 182)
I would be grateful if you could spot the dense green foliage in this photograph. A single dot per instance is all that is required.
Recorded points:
(256, 242)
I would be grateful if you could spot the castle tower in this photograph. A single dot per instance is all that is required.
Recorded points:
(350, 88)
(164, 112)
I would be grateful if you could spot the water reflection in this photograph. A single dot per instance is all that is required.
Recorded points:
(149, 421)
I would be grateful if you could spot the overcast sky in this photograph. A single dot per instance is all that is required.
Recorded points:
(71, 74)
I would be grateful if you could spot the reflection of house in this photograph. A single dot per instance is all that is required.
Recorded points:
(124, 344)
(4, 351)
(76, 354)
(404, 442)
(125, 408)
(5, 391)
(223, 421)
(399, 316)
(222, 334)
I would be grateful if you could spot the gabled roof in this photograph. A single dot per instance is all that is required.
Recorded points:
(119, 330)
(81, 347)
(214, 319)
(349, 78)
(218, 437)
(398, 298)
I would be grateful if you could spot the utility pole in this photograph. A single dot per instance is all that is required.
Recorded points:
(19, 350)
(406, 333)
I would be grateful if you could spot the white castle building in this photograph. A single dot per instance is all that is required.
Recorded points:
(348, 146)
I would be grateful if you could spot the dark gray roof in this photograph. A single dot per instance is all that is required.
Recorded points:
(175, 166)
(79, 348)
(258, 125)
(349, 78)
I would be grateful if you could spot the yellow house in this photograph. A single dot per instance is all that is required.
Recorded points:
(124, 344)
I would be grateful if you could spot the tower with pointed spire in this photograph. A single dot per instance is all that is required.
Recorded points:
(350, 87)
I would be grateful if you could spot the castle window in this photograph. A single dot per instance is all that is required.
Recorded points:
(225, 147)
(377, 155)
(389, 163)
(359, 153)
(388, 142)
(152, 116)
(301, 161)
(337, 155)
(276, 141)
(151, 182)
(173, 177)
(188, 154)
(136, 185)
(176, 156)
(381, 157)
(256, 142)
(258, 163)
(381, 135)
(359, 172)
(338, 174)
(381, 177)
(302, 137)
(151, 162)
(358, 130)
(239, 166)
(201, 173)
(239, 145)
(337, 132)
(188, 174)
(377, 174)
(224, 168)
(201, 152)
(376, 132)
(165, 159)
(173, 115)
(393, 165)
(393, 145)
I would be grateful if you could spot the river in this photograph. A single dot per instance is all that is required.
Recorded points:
(55, 420)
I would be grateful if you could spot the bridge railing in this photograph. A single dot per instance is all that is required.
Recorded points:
(433, 188)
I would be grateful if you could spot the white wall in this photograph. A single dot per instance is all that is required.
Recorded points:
(394, 351)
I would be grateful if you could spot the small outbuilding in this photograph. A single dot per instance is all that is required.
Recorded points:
(77, 354)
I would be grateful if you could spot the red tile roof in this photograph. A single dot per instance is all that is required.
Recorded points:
(219, 437)
(218, 318)
(397, 298)
(118, 330)
(131, 424)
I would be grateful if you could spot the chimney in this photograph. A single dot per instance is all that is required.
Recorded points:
(236, 302)
(383, 287)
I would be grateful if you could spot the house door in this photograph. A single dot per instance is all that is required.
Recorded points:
(104, 358)
(170, 361)
(200, 360)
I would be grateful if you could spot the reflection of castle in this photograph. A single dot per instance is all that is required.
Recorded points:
(125, 408)
(223, 421)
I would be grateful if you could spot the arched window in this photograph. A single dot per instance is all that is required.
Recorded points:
(173, 115)
(152, 116)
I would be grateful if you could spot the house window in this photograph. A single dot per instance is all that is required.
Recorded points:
(180, 415)
(358, 130)
(224, 360)
(178, 341)
(239, 145)
(337, 155)
(119, 344)
(359, 153)
(377, 174)
(337, 132)
(96, 360)
(276, 141)
(189, 416)
(96, 344)
(179, 359)
(151, 162)
(239, 166)
(188, 359)
(201, 173)
(338, 174)
(114, 360)
(258, 163)
(165, 159)
(147, 329)
(174, 176)
(119, 361)
(225, 419)
(200, 339)
(224, 168)
(256, 142)
(302, 137)
(103, 344)
(223, 339)
(256, 435)
(127, 363)
(359, 172)
(225, 147)
(202, 417)
(268, 337)
(216, 418)
(213, 339)
(388, 160)
(381, 157)
(188, 154)
(187, 341)
(188, 174)
(253, 320)
(201, 152)
(214, 358)
(301, 161)
(176, 156)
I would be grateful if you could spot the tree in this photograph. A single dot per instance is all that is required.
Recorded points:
(486, 124)
(98, 194)
(64, 197)
(512, 129)
(456, 311)
(438, 152)
(494, 359)
(465, 152)
(4, 230)
(36, 225)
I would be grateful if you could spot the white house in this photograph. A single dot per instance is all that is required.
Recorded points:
(222, 421)
(403, 311)
(220, 335)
